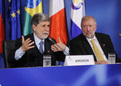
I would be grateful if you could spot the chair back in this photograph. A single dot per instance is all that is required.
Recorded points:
(8, 46)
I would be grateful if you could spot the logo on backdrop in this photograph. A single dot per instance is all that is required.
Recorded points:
(77, 4)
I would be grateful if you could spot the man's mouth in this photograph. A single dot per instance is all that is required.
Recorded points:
(46, 33)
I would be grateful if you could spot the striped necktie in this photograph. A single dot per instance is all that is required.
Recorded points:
(41, 47)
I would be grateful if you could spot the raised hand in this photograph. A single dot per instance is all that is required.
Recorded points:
(58, 46)
(26, 44)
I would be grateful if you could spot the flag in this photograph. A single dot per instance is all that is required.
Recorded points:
(77, 12)
(32, 7)
(68, 20)
(15, 19)
(2, 30)
(58, 20)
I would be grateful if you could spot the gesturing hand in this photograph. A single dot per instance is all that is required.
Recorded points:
(26, 44)
(60, 47)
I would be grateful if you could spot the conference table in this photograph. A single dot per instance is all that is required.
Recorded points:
(88, 75)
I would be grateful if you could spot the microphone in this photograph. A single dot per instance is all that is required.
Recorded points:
(57, 45)
(119, 34)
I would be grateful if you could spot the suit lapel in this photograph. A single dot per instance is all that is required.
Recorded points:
(47, 47)
(35, 49)
(101, 42)
(86, 45)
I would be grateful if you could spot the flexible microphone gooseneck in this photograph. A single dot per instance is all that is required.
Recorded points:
(58, 45)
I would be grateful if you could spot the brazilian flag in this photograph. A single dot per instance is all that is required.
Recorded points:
(31, 7)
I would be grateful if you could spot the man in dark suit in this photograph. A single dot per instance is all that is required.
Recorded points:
(29, 50)
(82, 44)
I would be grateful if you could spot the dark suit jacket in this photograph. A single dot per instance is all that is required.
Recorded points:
(80, 45)
(33, 57)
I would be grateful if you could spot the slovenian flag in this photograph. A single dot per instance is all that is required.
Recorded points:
(32, 7)
(77, 12)
(58, 26)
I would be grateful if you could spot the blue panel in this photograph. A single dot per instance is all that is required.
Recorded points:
(91, 75)
(45, 6)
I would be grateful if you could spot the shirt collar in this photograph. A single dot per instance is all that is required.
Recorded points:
(37, 40)
(90, 38)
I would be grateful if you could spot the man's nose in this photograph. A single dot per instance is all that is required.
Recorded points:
(47, 28)
(88, 28)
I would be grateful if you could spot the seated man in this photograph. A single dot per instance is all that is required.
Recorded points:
(89, 43)
(29, 50)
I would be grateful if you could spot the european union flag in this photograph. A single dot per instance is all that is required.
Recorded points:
(15, 19)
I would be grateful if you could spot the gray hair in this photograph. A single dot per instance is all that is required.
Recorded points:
(39, 17)
(85, 18)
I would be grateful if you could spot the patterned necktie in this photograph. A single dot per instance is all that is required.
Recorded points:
(97, 51)
(41, 47)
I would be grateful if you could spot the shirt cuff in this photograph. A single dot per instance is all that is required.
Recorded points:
(19, 53)
(66, 51)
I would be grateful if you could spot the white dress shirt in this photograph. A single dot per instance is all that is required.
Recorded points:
(98, 45)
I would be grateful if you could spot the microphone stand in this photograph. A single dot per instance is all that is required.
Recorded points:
(119, 34)
(57, 45)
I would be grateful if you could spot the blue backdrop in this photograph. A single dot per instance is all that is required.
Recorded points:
(108, 16)
(106, 12)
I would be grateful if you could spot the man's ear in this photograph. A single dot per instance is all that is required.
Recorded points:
(34, 27)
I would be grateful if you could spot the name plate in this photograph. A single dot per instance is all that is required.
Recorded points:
(73, 60)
